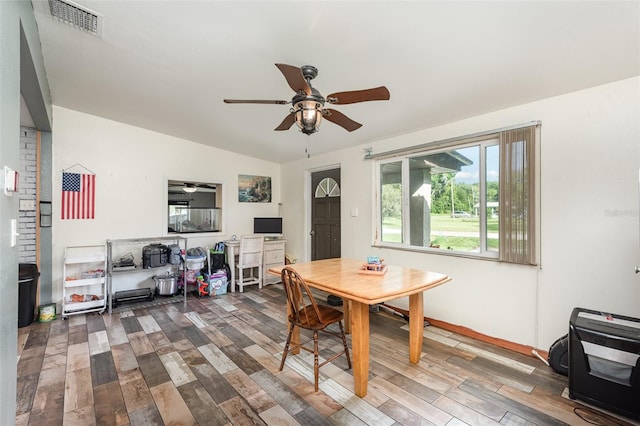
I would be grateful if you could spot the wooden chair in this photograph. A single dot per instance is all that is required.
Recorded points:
(249, 260)
(305, 313)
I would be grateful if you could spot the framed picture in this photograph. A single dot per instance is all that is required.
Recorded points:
(254, 189)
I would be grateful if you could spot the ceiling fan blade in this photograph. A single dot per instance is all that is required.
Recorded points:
(287, 122)
(254, 101)
(340, 119)
(376, 94)
(294, 77)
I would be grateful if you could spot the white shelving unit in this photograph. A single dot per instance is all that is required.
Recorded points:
(84, 288)
(137, 277)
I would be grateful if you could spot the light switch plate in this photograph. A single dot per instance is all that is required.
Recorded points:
(10, 181)
(27, 205)
(14, 232)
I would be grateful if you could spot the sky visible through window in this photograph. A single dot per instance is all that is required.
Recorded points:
(471, 174)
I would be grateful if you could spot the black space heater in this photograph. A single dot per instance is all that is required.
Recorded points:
(136, 295)
(604, 361)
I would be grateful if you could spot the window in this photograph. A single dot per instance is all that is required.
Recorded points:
(194, 207)
(327, 187)
(472, 196)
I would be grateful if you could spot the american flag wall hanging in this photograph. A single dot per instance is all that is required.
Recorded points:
(78, 195)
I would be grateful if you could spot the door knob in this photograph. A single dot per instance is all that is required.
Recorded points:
(312, 233)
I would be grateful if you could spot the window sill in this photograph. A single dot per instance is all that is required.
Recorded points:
(439, 251)
(195, 234)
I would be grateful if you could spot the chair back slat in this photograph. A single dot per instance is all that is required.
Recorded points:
(302, 305)
(249, 265)
(250, 251)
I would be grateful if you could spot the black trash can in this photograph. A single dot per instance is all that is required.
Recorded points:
(28, 284)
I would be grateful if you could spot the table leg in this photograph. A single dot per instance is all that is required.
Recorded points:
(416, 326)
(346, 310)
(360, 346)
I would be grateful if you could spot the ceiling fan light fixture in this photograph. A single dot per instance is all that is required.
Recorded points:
(308, 116)
(189, 188)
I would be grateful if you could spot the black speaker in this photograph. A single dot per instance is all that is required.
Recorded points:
(559, 355)
(334, 300)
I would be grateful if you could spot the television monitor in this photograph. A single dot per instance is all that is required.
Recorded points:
(268, 226)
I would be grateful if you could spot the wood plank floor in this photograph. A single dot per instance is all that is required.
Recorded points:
(214, 361)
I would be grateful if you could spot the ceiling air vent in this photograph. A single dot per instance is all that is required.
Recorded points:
(76, 16)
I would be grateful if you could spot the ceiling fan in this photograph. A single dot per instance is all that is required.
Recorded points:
(190, 187)
(308, 108)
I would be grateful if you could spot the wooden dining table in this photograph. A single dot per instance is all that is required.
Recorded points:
(341, 277)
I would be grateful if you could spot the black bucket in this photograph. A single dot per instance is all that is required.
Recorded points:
(28, 284)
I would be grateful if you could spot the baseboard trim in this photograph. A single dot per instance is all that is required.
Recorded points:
(467, 332)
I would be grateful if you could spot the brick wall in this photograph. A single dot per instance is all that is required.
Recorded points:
(27, 192)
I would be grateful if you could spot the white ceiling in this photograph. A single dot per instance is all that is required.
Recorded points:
(167, 65)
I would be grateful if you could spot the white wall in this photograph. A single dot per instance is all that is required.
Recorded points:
(132, 166)
(22, 69)
(590, 160)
